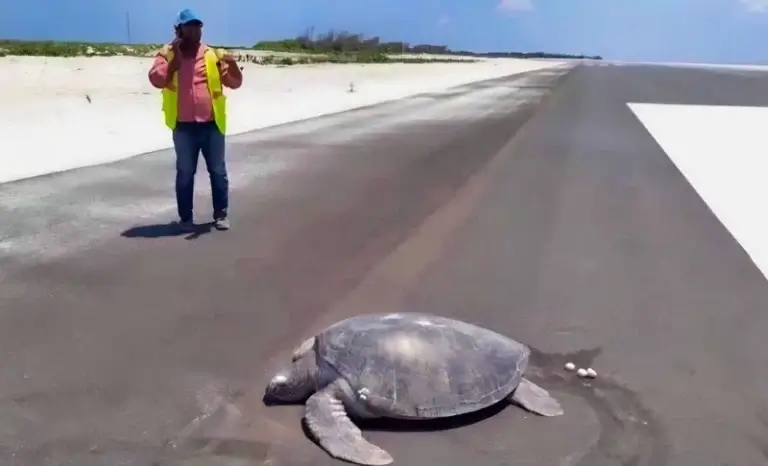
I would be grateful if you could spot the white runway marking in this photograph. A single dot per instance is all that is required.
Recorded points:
(721, 152)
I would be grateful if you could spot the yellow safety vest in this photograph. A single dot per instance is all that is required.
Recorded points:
(171, 96)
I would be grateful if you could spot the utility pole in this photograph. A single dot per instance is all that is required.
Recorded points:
(128, 25)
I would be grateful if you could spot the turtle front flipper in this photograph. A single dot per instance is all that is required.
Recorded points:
(327, 419)
(535, 399)
(303, 348)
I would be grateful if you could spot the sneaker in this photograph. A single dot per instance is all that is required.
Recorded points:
(221, 223)
(187, 226)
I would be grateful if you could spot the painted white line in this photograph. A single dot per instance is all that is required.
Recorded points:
(723, 152)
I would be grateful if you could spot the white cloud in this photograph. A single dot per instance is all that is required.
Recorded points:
(517, 5)
(443, 21)
(755, 6)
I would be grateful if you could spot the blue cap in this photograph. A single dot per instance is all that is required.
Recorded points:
(187, 16)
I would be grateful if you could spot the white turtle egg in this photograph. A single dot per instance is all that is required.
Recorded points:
(569, 366)
(591, 373)
(582, 372)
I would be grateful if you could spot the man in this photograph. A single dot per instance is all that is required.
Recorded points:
(190, 75)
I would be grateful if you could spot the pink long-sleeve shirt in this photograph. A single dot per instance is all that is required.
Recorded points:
(194, 98)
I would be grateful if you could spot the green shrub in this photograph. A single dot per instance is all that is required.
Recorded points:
(372, 56)
(74, 49)
(332, 47)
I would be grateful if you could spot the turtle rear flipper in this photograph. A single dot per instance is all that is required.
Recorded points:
(535, 399)
(327, 419)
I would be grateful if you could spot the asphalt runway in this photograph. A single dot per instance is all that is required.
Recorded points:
(537, 205)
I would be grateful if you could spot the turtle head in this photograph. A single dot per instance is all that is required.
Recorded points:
(292, 385)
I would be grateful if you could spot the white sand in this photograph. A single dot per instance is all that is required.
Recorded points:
(51, 126)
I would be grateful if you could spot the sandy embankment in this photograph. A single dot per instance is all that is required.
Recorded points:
(72, 112)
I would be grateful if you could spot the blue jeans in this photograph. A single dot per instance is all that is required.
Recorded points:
(189, 140)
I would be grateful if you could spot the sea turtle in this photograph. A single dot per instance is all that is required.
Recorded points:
(403, 366)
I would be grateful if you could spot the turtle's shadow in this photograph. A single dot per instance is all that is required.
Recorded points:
(430, 425)
(425, 425)
(386, 424)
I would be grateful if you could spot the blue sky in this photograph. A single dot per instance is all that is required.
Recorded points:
(724, 31)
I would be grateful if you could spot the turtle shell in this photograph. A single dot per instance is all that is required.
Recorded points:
(411, 365)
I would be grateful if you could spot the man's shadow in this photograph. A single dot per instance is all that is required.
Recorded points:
(165, 230)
